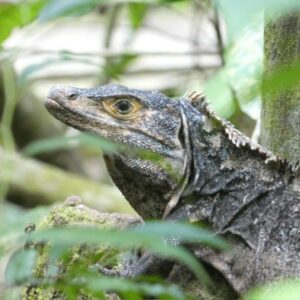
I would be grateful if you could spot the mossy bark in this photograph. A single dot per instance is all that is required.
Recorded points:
(280, 129)
(73, 214)
(45, 184)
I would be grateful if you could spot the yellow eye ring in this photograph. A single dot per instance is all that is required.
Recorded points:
(122, 108)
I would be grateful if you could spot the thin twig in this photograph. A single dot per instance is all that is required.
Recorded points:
(113, 17)
(217, 26)
(169, 34)
(104, 53)
(88, 74)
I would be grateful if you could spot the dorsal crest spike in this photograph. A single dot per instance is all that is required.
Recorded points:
(195, 97)
(199, 101)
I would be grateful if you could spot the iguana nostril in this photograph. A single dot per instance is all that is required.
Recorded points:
(72, 96)
(54, 93)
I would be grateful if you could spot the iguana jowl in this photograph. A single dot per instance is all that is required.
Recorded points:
(211, 172)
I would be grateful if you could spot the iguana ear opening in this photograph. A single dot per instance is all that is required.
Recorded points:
(184, 137)
(193, 119)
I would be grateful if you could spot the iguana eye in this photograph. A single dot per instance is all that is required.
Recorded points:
(123, 106)
(72, 96)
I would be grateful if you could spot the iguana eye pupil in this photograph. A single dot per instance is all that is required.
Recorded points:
(123, 106)
(72, 96)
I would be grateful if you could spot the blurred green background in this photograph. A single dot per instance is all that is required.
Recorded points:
(171, 46)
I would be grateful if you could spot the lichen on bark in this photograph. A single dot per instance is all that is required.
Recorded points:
(280, 129)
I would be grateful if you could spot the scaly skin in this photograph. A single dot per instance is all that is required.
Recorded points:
(207, 171)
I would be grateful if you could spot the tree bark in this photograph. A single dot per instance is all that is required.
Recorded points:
(43, 184)
(280, 126)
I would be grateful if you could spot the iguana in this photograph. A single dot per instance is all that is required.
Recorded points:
(210, 172)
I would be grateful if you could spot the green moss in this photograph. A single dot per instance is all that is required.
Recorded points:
(280, 130)
(37, 293)
(79, 257)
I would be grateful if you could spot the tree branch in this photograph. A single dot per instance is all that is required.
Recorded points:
(48, 185)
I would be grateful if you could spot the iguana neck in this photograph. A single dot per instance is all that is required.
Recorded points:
(223, 170)
(145, 184)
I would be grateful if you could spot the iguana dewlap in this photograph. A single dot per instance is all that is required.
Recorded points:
(207, 170)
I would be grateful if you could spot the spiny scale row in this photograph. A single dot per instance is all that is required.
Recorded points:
(199, 101)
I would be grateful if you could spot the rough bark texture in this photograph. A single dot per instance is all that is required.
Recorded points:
(280, 129)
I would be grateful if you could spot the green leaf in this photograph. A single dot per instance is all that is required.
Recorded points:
(89, 140)
(32, 68)
(62, 57)
(242, 73)
(20, 266)
(183, 232)
(91, 283)
(137, 13)
(12, 231)
(60, 8)
(117, 66)
(14, 221)
(13, 15)
(239, 14)
(288, 290)
(57, 143)
(217, 88)
(151, 238)
(127, 287)
(244, 62)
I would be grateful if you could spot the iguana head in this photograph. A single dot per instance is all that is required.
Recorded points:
(141, 119)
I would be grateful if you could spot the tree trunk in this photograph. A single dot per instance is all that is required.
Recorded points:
(280, 126)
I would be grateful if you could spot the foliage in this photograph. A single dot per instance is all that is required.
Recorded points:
(287, 290)
(17, 14)
(241, 72)
(247, 10)
(66, 258)
(52, 144)
(244, 55)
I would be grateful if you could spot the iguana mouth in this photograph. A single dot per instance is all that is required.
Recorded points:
(54, 105)
(51, 103)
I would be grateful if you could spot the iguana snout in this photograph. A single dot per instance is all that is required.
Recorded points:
(128, 116)
(60, 95)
